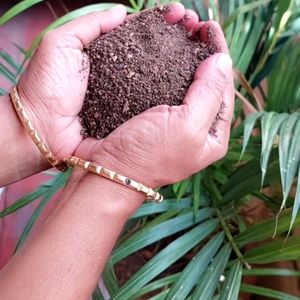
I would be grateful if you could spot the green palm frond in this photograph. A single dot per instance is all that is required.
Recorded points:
(280, 131)
(17, 9)
(284, 81)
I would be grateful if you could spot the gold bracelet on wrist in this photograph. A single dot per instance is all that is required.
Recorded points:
(73, 161)
(95, 168)
(41, 145)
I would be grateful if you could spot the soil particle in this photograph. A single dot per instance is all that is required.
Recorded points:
(143, 63)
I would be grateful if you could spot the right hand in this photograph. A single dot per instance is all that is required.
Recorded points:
(166, 144)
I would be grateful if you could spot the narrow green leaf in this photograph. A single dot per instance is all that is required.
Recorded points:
(192, 272)
(151, 234)
(210, 279)
(97, 295)
(160, 283)
(270, 124)
(236, 44)
(285, 136)
(151, 3)
(21, 49)
(165, 258)
(58, 183)
(251, 39)
(141, 4)
(247, 178)
(296, 204)
(215, 10)
(17, 9)
(37, 193)
(4, 71)
(282, 8)
(270, 272)
(242, 10)
(160, 296)
(196, 192)
(272, 294)
(134, 5)
(153, 208)
(293, 159)
(181, 187)
(232, 283)
(199, 6)
(248, 128)
(264, 230)
(274, 251)
(9, 60)
(110, 279)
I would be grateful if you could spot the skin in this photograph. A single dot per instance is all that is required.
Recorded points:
(65, 256)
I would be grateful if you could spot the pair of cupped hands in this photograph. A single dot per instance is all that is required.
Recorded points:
(160, 146)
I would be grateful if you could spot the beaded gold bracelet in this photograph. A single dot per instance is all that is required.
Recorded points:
(73, 161)
(95, 168)
(41, 145)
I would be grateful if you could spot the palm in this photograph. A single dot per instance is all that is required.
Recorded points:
(55, 89)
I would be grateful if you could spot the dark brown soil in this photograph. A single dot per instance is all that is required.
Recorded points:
(143, 63)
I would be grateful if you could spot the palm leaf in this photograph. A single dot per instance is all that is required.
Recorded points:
(270, 272)
(275, 251)
(272, 294)
(232, 284)
(17, 9)
(165, 258)
(210, 279)
(155, 285)
(151, 234)
(58, 183)
(191, 274)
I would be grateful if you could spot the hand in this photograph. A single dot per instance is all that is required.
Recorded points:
(54, 84)
(168, 143)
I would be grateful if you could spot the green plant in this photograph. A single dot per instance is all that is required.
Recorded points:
(201, 215)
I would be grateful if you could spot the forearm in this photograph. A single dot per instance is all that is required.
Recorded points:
(64, 257)
(19, 157)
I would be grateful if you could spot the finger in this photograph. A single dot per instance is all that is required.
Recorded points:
(87, 28)
(218, 137)
(220, 129)
(197, 29)
(205, 96)
(189, 20)
(211, 33)
(173, 13)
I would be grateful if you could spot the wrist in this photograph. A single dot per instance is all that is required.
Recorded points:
(107, 155)
(20, 157)
(34, 116)
(104, 196)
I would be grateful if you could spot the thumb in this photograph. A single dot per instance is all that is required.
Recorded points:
(205, 95)
(87, 28)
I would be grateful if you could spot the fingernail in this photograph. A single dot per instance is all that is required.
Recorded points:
(224, 63)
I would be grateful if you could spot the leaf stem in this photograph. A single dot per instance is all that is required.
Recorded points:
(216, 197)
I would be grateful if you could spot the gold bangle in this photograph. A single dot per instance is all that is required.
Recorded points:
(43, 148)
(94, 168)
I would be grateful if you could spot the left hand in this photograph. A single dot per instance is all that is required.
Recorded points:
(53, 86)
